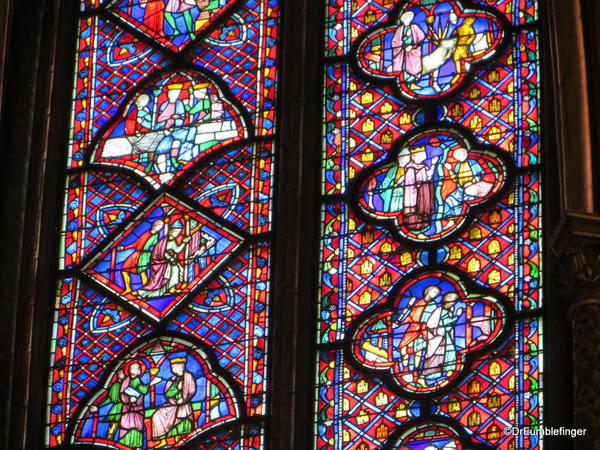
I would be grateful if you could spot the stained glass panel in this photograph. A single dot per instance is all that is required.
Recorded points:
(430, 329)
(161, 323)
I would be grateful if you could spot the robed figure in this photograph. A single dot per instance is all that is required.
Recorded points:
(440, 355)
(418, 191)
(166, 268)
(390, 190)
(413, 342)
(114, 399)
(407, 48)
(139, 260)
(132, 394)
(175, 417)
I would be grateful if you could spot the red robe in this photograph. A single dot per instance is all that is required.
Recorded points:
(154, 15)
(131, 263)
(415, 326)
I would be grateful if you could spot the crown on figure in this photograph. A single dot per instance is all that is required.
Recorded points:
(179, 360)
(174, 86)
(417, 149)
(200, 86)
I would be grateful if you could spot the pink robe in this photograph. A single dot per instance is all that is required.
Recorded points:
(133, 412)
(167, 115)
(175, 6)
(407, 60)
(166, 417)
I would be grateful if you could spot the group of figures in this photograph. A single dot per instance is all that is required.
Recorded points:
(173, 18)
(169, 126)
(431, 48)
(161, 256)
(425, 336)
(157, 398)
(166, 178)
(155, 262)
(428, 190)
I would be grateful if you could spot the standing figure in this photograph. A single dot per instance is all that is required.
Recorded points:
(138, 130)
(418, 190)
(113, 398)
(407, 48)
(199, 106)
(132, 394)
(171, 112)
(440, 356)
(466, 37)
(166, 268)
(413, 341)
(391, 188)
(139, 261)
(170, 119)
(175, 417)
(144, 145)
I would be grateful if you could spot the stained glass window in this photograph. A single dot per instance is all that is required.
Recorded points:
(430, 329)
(161, 318)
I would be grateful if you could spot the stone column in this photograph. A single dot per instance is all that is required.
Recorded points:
(577, 247)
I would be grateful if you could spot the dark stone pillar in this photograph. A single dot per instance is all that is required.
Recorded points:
(577, 247)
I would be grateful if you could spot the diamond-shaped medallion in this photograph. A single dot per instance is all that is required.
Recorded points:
(162, 256)
(172, 23)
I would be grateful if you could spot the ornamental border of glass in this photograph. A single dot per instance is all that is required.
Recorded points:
(124, 331)
(387, 112)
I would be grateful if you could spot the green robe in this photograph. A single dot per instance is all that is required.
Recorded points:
(146, 253)
(114, 397)
(391, 194)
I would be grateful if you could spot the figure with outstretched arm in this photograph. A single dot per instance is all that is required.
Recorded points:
(440, 355)
(113, 398)
(413, 341)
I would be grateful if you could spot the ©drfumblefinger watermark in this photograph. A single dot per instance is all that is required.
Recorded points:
(544, 431)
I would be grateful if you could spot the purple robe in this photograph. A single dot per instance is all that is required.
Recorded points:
(158, 266)
(407, 60)
(418, 195)
(166, 417)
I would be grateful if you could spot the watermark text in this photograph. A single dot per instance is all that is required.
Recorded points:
(544, 431)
